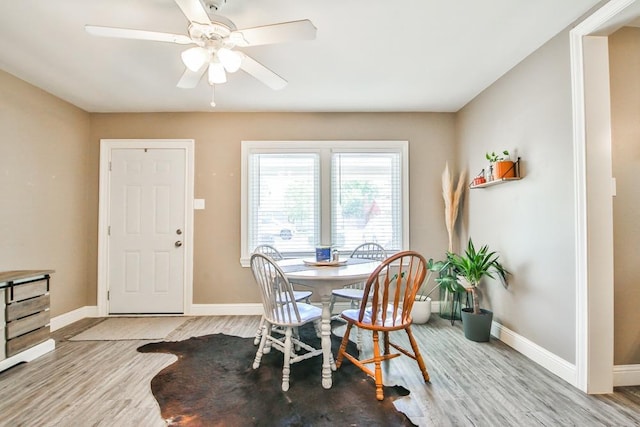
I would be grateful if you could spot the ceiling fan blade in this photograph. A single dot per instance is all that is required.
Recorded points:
(190, 79)
(125, 33)
(275, 33)
(262, 73)
(194, 11)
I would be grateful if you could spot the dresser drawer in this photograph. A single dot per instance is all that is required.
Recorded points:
(27, 324)
(23, 342)
(2, 318)
(27, 307)
(3, 340)
(24, 291)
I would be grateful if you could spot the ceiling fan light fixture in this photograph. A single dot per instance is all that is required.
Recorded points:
(230, 60)
(194, 58)
(216, 73)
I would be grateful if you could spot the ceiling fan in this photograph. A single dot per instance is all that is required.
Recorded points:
(215, 38)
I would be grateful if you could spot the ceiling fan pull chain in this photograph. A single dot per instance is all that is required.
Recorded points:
(213, 95)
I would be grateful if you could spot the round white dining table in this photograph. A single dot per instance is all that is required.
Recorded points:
(323, 279)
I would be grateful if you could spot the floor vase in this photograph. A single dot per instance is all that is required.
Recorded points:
(477, 327)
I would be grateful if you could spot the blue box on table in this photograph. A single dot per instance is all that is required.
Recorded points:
(323, 253)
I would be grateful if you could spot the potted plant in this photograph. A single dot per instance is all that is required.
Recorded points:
(501, 165)
(421, 309)
(472, 267)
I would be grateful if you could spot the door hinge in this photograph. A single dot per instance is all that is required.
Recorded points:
(109, 166)
(108, 295)
(109, 230)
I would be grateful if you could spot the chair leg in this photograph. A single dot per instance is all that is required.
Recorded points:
(256, 340)
(317, 325)
(267, 328)
(286, 370)
(343, 345)
(416, 352)
(296, 335)
(378, 366)
(359, 339)
(331, 304)
(385, 338)
(260, 352)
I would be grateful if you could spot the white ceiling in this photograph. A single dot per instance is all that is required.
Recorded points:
(369, 55)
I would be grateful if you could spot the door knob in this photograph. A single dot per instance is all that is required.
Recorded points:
(178, 244)
(178, 232)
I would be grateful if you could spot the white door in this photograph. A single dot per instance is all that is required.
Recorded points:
(146, 230)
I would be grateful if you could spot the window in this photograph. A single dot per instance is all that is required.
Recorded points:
(298, 195)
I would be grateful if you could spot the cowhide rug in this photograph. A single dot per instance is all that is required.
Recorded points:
(213, 384)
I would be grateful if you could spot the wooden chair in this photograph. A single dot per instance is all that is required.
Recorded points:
(355, 292)
(281, 310)
(389, 294)
(275, 255)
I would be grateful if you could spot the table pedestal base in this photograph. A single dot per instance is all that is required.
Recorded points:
(328, 364)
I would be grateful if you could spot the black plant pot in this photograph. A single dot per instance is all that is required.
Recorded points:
(477, 327)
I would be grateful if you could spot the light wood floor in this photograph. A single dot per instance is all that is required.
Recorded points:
(106, 383)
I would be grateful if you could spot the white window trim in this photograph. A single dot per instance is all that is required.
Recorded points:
(315, 146)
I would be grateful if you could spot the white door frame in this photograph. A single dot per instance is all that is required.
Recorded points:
(594, 217)
(106, 145)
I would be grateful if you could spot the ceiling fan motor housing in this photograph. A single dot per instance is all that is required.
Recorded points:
(213, 5)
(209, 32)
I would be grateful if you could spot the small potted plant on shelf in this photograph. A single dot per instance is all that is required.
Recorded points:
(502, 166)
(472, 266)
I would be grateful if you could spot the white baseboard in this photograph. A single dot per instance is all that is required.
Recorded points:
(73, 316)
(626, 375)
(254, 309)
(541, 356)
(28, 355)
(435, 306)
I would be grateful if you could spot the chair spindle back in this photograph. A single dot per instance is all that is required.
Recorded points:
(269, 251)
(277, 293)
(391, 289)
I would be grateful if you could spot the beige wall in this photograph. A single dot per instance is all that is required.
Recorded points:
(624, 58)
(50, 158)
(529, 222)
(218, 276)
(44, 220)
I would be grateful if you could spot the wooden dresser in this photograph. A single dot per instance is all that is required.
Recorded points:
(24, 326)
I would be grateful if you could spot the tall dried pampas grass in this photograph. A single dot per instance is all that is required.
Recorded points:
(451, 200)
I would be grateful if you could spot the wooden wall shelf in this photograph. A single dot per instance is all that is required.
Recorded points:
(495, 182)
(518, 177)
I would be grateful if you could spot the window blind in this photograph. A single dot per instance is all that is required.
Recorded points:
(283, 200)
(366, 202)
(300, 194)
